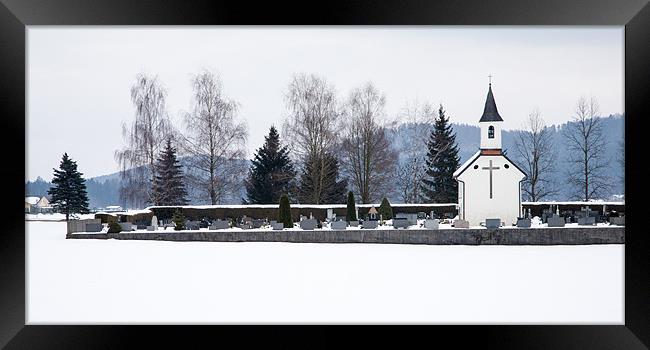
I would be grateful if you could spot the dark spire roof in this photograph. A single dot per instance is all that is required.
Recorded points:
(490, 113)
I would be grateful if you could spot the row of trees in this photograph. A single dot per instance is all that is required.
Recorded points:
(330, 145)
(584, 143)
(324, 135)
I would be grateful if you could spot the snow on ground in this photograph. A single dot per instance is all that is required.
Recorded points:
(55, 217)
(113, 281)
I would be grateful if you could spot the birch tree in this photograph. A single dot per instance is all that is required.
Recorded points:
(311, 128)
(368, 156)
(585, 144)
(214, 141)
(535, 151)
(418, 119)
(144, 138)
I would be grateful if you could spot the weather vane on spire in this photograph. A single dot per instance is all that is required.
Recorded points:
(490, 77)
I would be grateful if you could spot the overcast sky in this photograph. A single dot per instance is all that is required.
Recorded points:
(79, 77)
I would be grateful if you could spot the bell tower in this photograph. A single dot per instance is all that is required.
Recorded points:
(490, 124)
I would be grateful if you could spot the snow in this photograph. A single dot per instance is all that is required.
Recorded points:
(32, 200)
(304, 206)
(113, 281)
(592, 202)
(55, 217)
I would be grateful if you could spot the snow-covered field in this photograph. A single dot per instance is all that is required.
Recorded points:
(113, 281)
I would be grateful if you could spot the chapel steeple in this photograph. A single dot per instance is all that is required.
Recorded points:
(490, 112)
(490, 124)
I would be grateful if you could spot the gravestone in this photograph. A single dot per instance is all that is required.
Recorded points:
(339, 225)
(141, 226)
(461, 223)
(620, 221)
(354, 223)
(411, 217)
(192, 225)
(523, 223)
(370, 224)
(219, 225)
(308, 224)
(94, 227)
(277, 226)
(154, 223)
(400, 223)
(432, 224)
(586, 221)
(150, 228)
(492, 224)
(555, 221)
(257, 223)
(126, 226)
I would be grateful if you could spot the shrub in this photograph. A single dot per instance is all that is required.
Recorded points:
(114, 227)
(351, 212)
(284, 212)
(385, 210)
(179, 220)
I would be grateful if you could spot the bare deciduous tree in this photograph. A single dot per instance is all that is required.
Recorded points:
(368, 156)
(144, 138)
(586, 148)
(418, 119)
(311, 130)
(536, 154)
(214, 140)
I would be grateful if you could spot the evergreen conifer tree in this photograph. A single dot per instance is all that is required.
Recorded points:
(385, 210)
(271, 173)
(168, 187)
(332, 190)
(68, 189)
(284, 212)
(351, 209)
(442, 160)
(179, 220)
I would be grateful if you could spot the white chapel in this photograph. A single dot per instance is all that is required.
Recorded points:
(489, 184)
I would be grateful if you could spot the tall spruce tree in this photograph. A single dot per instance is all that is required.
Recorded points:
(68, 189)
(351, 210)
(332, 190)
(271, 173)
(168, 187)
(442, 160)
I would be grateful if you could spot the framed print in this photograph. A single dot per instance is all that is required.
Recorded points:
(462, 168)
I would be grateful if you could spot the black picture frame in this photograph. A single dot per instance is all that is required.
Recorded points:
(15, 15)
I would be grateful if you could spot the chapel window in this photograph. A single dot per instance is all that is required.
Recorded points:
(491, 132)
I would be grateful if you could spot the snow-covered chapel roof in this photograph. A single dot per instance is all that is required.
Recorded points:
(467, 163)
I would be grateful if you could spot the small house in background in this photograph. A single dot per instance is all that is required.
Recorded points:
(36, 205)
(113, 208)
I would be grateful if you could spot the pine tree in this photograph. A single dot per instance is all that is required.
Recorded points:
(179, 220)
(284, 212)
(68, 189)
(168, 187)
(385, 210)
(271, 173)
(330, 188)
(351, 209)
(442, 160)
(114, 227)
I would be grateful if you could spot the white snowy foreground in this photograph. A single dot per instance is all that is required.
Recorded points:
(111, 281)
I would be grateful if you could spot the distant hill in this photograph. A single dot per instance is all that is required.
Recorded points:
(104, 190)
(468, 138)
